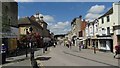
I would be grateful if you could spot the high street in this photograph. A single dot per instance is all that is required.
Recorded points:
(63, 56)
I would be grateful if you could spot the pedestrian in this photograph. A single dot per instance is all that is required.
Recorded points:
(80, 46)
(46, 41)
(117, 50)
(70, 44)
(3, 51)
(67, 43)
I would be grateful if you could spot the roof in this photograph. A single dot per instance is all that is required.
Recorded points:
(73, 21)
(34, 22)
(28, 21)
(107, 13)
(24, 20)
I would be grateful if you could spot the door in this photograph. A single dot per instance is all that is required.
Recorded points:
(111, 43)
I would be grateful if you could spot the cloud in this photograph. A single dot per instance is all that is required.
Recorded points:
(94, 12)
(60, 27)
(47, 18)
(97, 9)
(56, 28)
(92, 16)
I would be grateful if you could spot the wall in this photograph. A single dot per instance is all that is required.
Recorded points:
(22, 30)
(87, 31)
(116, 13)
(91, 30)
(105, 25)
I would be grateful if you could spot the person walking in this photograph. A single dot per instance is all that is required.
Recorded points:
(117, 50)
(67, 44)
(70, 44)
(46, 41)
(3, 51)
(80, 46)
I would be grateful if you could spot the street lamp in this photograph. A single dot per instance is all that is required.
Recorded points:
(93, 34)
(94, 47)
(27, 33)
(31, 47)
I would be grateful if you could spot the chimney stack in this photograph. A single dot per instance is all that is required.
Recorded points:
(80, 17)
(83, 20)
(41, 18)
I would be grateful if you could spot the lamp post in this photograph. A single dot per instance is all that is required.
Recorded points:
(94, 45)
(31, 44)
(31, 47)
(27, 42)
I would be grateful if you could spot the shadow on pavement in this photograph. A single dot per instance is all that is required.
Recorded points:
(20, 52)
(43, 58)
(18, 60)
(89, 59)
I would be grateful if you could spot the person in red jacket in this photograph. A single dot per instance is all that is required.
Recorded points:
(117, 50)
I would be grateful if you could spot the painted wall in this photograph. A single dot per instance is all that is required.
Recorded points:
(105, 25)
(87, 31)
(22, 30)
(95, 29)
(116, 13)
(91, 30)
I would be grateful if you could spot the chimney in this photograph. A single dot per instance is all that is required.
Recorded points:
(41, 18)
(80, 17)
(83, 20)
(37, 15)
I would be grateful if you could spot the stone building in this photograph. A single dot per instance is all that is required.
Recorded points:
(9, 19)
(36, 22)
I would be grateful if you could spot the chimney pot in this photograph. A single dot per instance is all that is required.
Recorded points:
(80, 17)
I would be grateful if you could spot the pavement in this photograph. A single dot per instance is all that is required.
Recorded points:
(22, 60)
(63, 56)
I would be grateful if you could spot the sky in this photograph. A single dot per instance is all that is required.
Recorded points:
(59, 15)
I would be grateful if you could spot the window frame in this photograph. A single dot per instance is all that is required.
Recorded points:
(102, 19)
(108, 18)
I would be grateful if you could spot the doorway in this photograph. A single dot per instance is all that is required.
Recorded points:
(111, 47)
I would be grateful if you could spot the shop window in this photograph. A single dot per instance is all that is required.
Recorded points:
(103, 43)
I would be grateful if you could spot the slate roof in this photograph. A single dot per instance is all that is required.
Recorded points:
(107, 13)
(24, 20)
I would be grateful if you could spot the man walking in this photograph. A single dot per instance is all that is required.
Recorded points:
(46, 41)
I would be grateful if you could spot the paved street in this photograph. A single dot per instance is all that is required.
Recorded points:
(21, 60)
(62, 56)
